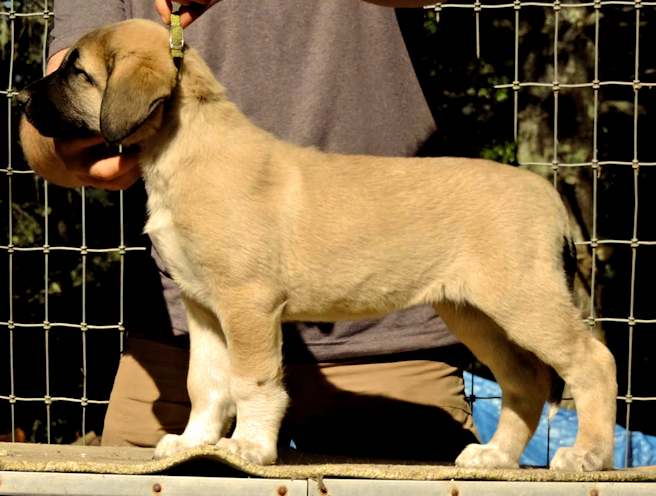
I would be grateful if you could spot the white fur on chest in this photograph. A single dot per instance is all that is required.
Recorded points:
(171, 243)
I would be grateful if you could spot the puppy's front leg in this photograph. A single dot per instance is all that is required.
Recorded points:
(208, 383)
(252, 328)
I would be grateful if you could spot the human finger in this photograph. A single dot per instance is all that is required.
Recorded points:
(191, 13)
(164, 9)
(112, 168)
(190, 10)
(122, 182)
(67, 148)
(79, 155)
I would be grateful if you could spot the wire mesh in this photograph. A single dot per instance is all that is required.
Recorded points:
(13, 322)
(554, 164)
(556, 86)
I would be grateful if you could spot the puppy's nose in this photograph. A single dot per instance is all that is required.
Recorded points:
(23, 97)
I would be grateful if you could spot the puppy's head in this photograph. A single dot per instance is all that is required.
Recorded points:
(112, 82)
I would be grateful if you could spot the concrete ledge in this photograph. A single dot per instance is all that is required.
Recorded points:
(293, 465)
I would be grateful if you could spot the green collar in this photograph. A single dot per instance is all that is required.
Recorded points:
(176, 38)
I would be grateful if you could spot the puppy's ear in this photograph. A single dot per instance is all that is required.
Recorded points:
(136, 86)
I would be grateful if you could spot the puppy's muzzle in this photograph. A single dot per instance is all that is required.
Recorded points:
(24, 97)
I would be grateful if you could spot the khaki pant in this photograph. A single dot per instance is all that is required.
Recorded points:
(408, 406)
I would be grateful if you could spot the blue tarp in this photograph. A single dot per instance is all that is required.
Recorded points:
(563, 429)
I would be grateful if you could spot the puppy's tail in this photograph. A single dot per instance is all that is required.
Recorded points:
(570, 268)
(569, 262)
(556, 393)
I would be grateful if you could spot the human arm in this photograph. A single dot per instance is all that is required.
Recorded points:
(404, 3)
(193, 9)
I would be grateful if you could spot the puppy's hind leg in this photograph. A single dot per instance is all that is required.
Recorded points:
(208, 383)
(525, 383)
(590, 372)
(550, 327)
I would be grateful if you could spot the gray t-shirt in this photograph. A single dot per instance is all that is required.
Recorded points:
(334, 74)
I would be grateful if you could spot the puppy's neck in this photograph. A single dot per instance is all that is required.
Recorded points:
(196, 83)
(199, 110)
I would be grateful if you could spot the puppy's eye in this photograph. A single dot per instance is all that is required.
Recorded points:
(79, 72)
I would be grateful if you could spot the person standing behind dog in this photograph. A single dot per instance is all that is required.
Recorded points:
(331, 74)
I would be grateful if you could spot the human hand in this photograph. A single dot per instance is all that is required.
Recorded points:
(72, 163)
(89, 162)
(189, 12)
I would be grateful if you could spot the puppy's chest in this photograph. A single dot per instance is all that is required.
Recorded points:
(182, 259)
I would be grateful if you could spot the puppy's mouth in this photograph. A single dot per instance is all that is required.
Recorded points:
(51, 128)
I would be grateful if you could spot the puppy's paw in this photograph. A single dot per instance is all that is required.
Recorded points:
(249, 451)
(172, 444)
(484, 456)
(578, 460)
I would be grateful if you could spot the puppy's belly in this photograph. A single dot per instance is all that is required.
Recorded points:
(335, 303)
